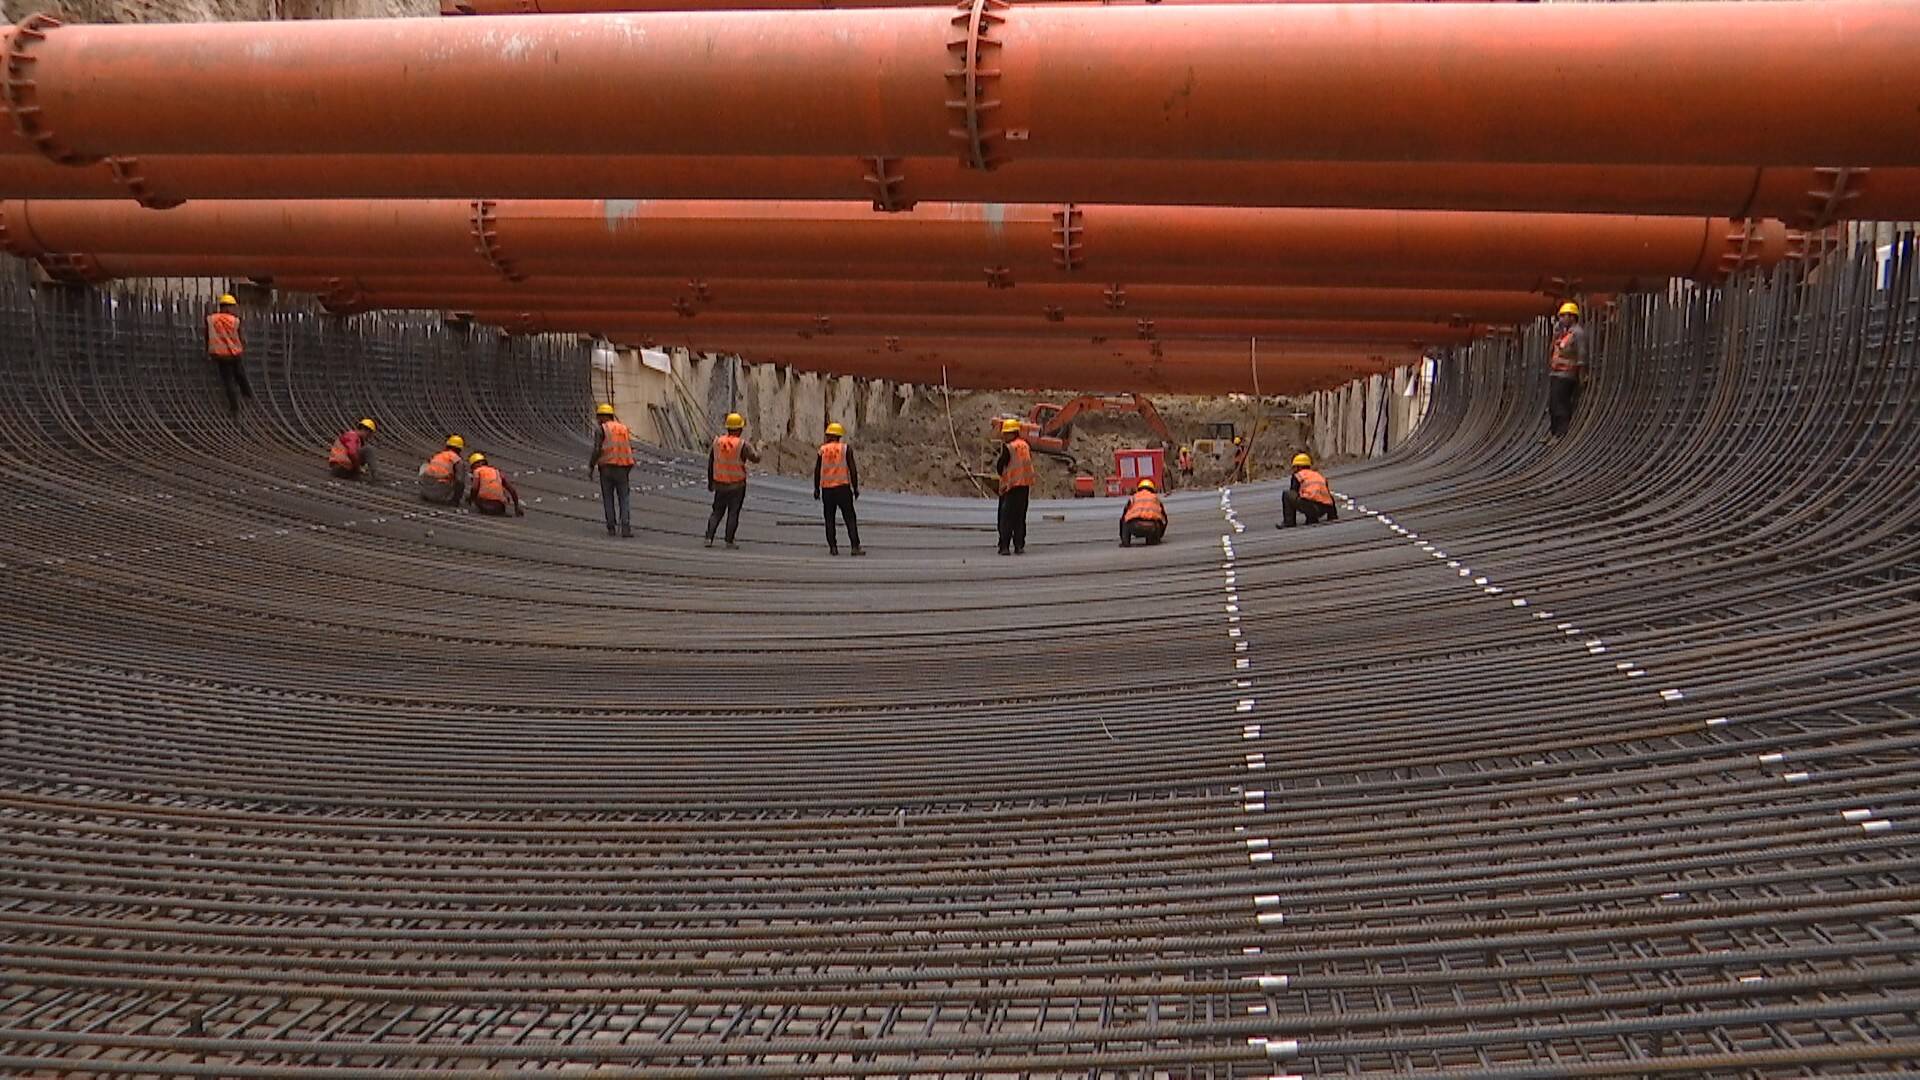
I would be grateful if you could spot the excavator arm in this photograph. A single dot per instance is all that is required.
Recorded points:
(1151, 416)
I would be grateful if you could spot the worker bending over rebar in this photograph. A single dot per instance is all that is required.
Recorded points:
(1307, 495)
(443, 477)
(1145, 517)
(351, 455)
(492, 489)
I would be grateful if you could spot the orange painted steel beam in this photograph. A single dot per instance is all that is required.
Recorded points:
(1002, 245)
(578, 7)
(1798, 82)
(985, 327)
(1804, 197)
(803, 299)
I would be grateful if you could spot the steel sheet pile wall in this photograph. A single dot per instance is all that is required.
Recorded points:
(1597, 760)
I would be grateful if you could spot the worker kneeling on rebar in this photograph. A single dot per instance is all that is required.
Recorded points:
(442, 478)
(492, 489)
(351, 455)
(1307, 496)
(1145, 517)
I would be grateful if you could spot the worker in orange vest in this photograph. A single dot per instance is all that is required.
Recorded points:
(1566, 370)
(613, 457)
(836, 483)
(727, 477)
(227, 350)
(1015, 466)
(492, 489)
(351, 456)
(1186, 464)
(440, 477)
(1308, 495)
(1145, 517)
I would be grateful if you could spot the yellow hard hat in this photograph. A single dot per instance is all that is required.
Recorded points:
(456, 442)
(603, 410)
(1145, 485)
(227, 298)
(836, 429)
(735, 421)
(476, 458)
(1302, 460)
(1570, 308)
(1009, 426)
(369, 424)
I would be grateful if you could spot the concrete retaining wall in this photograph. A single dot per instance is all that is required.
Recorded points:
(684, 408)
(1368, 417)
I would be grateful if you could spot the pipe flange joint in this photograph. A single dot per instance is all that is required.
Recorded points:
(486, 239)
(823, 324)
(23, 94)
(1115, 297)
(1740, 252)
(1054, 313)
(1827, 202)
(1144, 329)
(999, 277)
(702, 292)
(684, 307)
(1068, 225)
(883, 177)
(973, 81)
(71, 269)
(127, 173)
(893, 344)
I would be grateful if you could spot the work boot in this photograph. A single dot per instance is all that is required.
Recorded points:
(1006, 551)
(626, 531)
(1126, 541)
(709, 541)
(731, 546)
(609, 530)
(1020, 549)
(857, 550)
(833, 550)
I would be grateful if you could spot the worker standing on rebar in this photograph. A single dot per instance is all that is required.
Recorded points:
(727, 477)
(1145, 517)
(492, 489)
(1306, 496)
(1015, 466)
(836, 483)
(228, 351)
(441, 478)
(351, 455)
(613, 457)
(1566, 370)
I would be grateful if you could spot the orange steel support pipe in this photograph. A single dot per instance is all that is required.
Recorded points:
(1001, 245)
(1798, 82)
(1804, 197)
(803, 299)
(576, 7)
(987, 327)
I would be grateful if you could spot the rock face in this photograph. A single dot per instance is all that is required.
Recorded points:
(156, 11)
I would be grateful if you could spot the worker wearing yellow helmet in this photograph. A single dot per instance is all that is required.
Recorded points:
(1015, 466)
(1566, 369)
(612, 458)
(227, 350)
(443, 477)
(1307, 496)
(836, 483)
(351, 455)
(1145, 517)
(491, 489)
(727, 477)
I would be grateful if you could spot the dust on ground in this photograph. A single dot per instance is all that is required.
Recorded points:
(916, 452)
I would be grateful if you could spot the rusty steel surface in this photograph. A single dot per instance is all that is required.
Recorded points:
(1186, 82)
(1591, 760)
(1804, 197)
(563, 7)
(933, 241)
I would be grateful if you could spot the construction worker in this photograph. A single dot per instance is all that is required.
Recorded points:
(1307, 495)
(727, 477)
(492, 489)
(227, 350)
(1566, 369)
(351, 456)
(836, 483)
(1186, 464)
(441, 479)
(613, 457)
(1145, 517)
(1015, 466)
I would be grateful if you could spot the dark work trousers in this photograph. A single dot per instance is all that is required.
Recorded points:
(1563, 393)
(839, 500)
(1143, 529)
(233, 379)
(1013, 518)
(488, 506)
(727, 503)
(616, 494)
(1292, 504)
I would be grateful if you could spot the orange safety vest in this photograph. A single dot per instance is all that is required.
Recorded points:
(223, 334)
(441, 467)
(833, 466)
(487, 486)
(1563, 362)
(616, 444)
(345, 453)
(728, 465)
(1186, 458)
(1019, 472)
(1145, 504)
(1313, 487)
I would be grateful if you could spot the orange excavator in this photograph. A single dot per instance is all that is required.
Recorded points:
(1048, 427)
